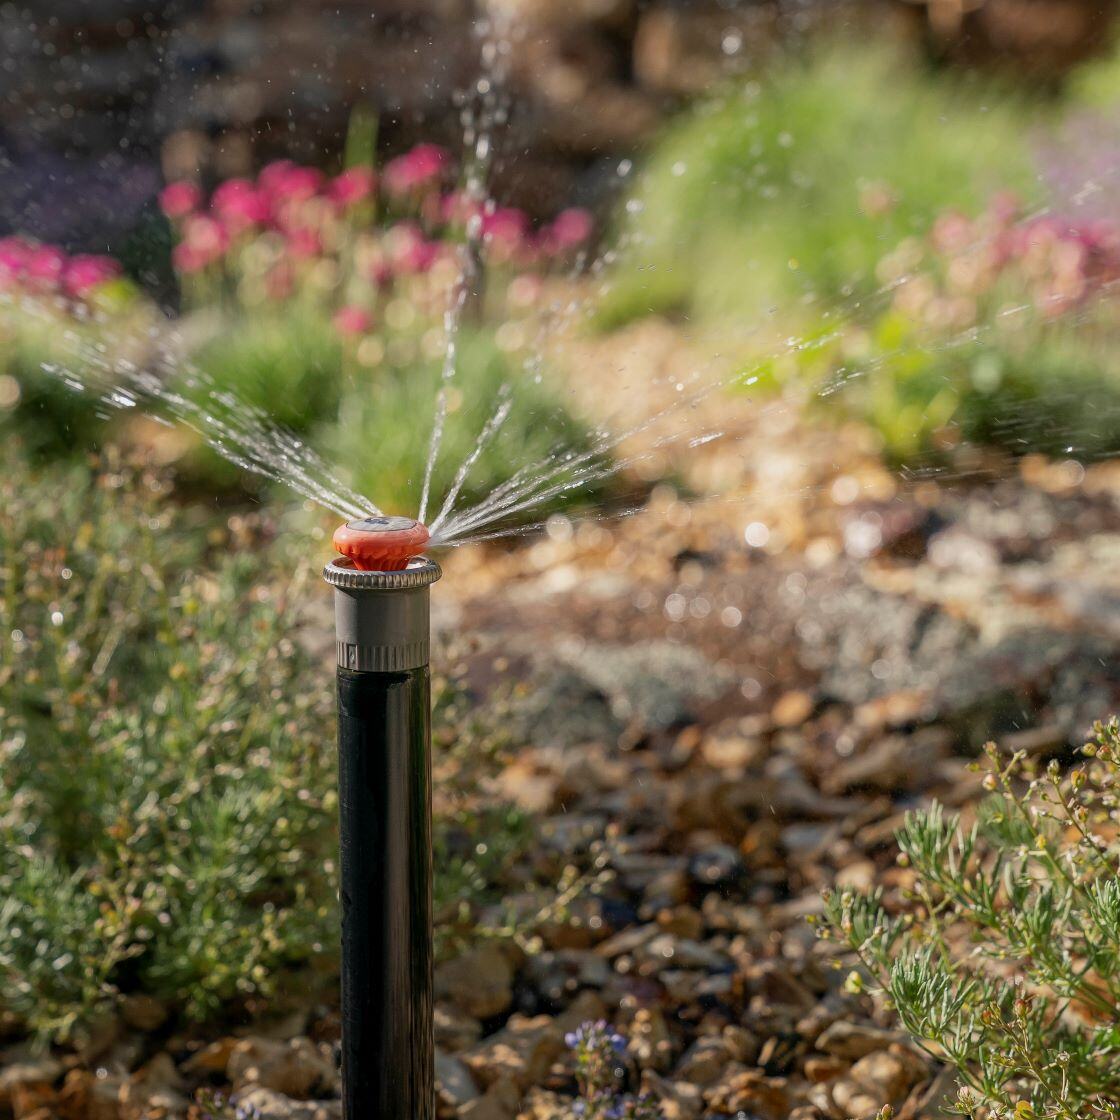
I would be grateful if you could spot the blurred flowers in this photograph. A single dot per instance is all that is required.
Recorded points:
(969, 266)
(416, 170)
(349, 248)
(47, 270)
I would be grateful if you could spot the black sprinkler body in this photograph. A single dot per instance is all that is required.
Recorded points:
(384, 742)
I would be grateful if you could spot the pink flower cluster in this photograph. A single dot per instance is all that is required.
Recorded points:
(1060, 263)
(47, 270)
(368, 230)
(297, 202)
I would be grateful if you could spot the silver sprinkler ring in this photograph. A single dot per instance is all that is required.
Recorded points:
(382, 618)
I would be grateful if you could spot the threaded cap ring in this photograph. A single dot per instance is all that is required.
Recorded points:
(421, 572)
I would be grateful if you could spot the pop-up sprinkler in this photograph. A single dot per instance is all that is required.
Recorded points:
(384, 737)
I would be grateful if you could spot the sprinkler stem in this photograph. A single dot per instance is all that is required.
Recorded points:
(385, 810)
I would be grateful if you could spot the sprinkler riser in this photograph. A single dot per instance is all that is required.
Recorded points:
(384, 794)
(384, 740)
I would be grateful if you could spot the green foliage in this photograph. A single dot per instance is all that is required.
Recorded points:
(385, 423)
(39, 333)
(1042, 388)
(1006, 958)
(167, 788)
(796, 183)
(289, 365)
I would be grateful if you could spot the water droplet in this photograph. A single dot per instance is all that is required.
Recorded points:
(756, 534)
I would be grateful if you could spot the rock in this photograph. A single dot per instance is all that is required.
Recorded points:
(85, 1096)
(627, 941)
(588, 1006)
(881, 1078)
(296, 1068)
(895, 763)
(679, 952)
(848, 1040)
(265, 1104)
(747, 1091)
(454, 1086)
(211, 1059)
(820, 1070)
(143, 1012)
(157, 1089)
(32, 1100)
(14, 1077)
(556, 975)
(479, 983)
(651, 1045)
(454, 1030)
(704, 1061)
(743, 1044)
(593, 693)
(677, 1100)
(540, 1104)
(682, 921)
(520, 1053)
(500, 1102)
(792, 709)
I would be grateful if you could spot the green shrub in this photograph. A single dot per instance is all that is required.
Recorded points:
(1048, 389)
(796, 183)
(38, 332)
(167, 793)
(289, 365)
(386, 421)
(1004, 958)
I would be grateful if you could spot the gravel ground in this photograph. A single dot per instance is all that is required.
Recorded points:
(729, 703)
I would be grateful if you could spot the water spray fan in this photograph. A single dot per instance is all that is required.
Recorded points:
(381, 594)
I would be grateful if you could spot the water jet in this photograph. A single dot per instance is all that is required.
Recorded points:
(381, 595)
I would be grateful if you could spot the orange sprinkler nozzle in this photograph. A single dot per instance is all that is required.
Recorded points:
(381, 544)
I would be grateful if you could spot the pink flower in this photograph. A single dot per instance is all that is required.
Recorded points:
(280, 281)
(569, 228)
(457, 207)
(409, 250)
(354, 185)
(14, 255)
(44, 266)
(418, 168)
(352, 321)
(86, 272)
(284, 181)
(505, 225)
(304, 242)
(240, 205)
(204, 242)
(952, 233)
(177, 200)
